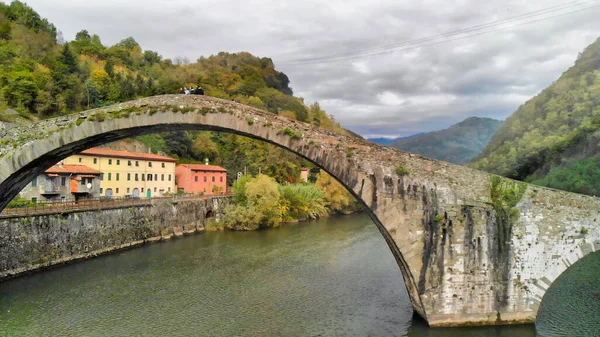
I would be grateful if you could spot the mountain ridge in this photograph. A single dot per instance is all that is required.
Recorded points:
(457, 144)
(553, 139)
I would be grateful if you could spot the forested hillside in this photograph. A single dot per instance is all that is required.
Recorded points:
(42, 76)
(457, 144)
(554, 138)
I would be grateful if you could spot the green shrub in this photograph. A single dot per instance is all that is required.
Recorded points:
(250, 121)
(98, 116)
(19, 202)
(290, 132)
(401, 171)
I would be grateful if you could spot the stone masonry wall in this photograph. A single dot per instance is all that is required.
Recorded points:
(37, 242)
(462, 261)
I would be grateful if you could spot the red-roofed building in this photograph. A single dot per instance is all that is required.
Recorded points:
(64, 182)
(129, 174)
(201, 178)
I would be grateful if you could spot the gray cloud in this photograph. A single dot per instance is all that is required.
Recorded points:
(395, 94)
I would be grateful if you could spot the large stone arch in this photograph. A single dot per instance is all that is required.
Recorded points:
(435, 217)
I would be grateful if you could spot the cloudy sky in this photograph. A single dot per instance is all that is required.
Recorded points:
(403, 89)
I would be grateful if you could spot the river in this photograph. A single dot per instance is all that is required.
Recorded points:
(331, 277)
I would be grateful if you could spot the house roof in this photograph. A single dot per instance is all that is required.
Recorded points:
(203, 167)
(103, 152)
(72, 169)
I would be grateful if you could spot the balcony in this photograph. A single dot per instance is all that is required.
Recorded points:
(51, 189)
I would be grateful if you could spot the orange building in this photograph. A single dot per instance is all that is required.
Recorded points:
(201, 178)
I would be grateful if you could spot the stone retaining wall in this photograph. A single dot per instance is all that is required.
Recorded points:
(33, 243)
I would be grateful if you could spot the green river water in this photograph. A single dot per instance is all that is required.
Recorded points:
(331, 277)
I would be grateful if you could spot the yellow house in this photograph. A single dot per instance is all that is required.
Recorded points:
(126, 173)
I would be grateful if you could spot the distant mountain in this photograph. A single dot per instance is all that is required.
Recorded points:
(554, 138)
(457, 144)
(390, 141)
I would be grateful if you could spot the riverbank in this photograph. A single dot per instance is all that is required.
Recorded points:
(35, 243)
(220, 226)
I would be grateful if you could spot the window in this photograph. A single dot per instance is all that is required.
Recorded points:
(143, 177)
(101, 190)
(118, 162)
(136, 177)
(129, 163)
(109, 176)
(169, 177)
(149, 177)
(155, 189)
(169, 189)
(128, 176)
(137, 163)
(213, 179)
(34, 182)
(162, 165)
(118, 178)
(117, 190)
(128, 189)
(142, 190)
(63, 181)
(162, 177)
(149, 164)
(221, 179)
(80, 159)
(155, 177)
(110, 162)
(204, 178)
(34, 200)
(95, 160)
(101, 176)
(196, 178)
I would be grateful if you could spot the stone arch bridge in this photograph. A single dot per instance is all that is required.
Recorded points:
(474, 249)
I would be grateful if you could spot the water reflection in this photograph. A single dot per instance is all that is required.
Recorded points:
(332, 277)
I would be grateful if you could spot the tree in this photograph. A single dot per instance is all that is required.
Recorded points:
(256, 204)
(128, 43)
(339, 198)
(151, 57)
(204, 147)
(82, 35)
(68, 58)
